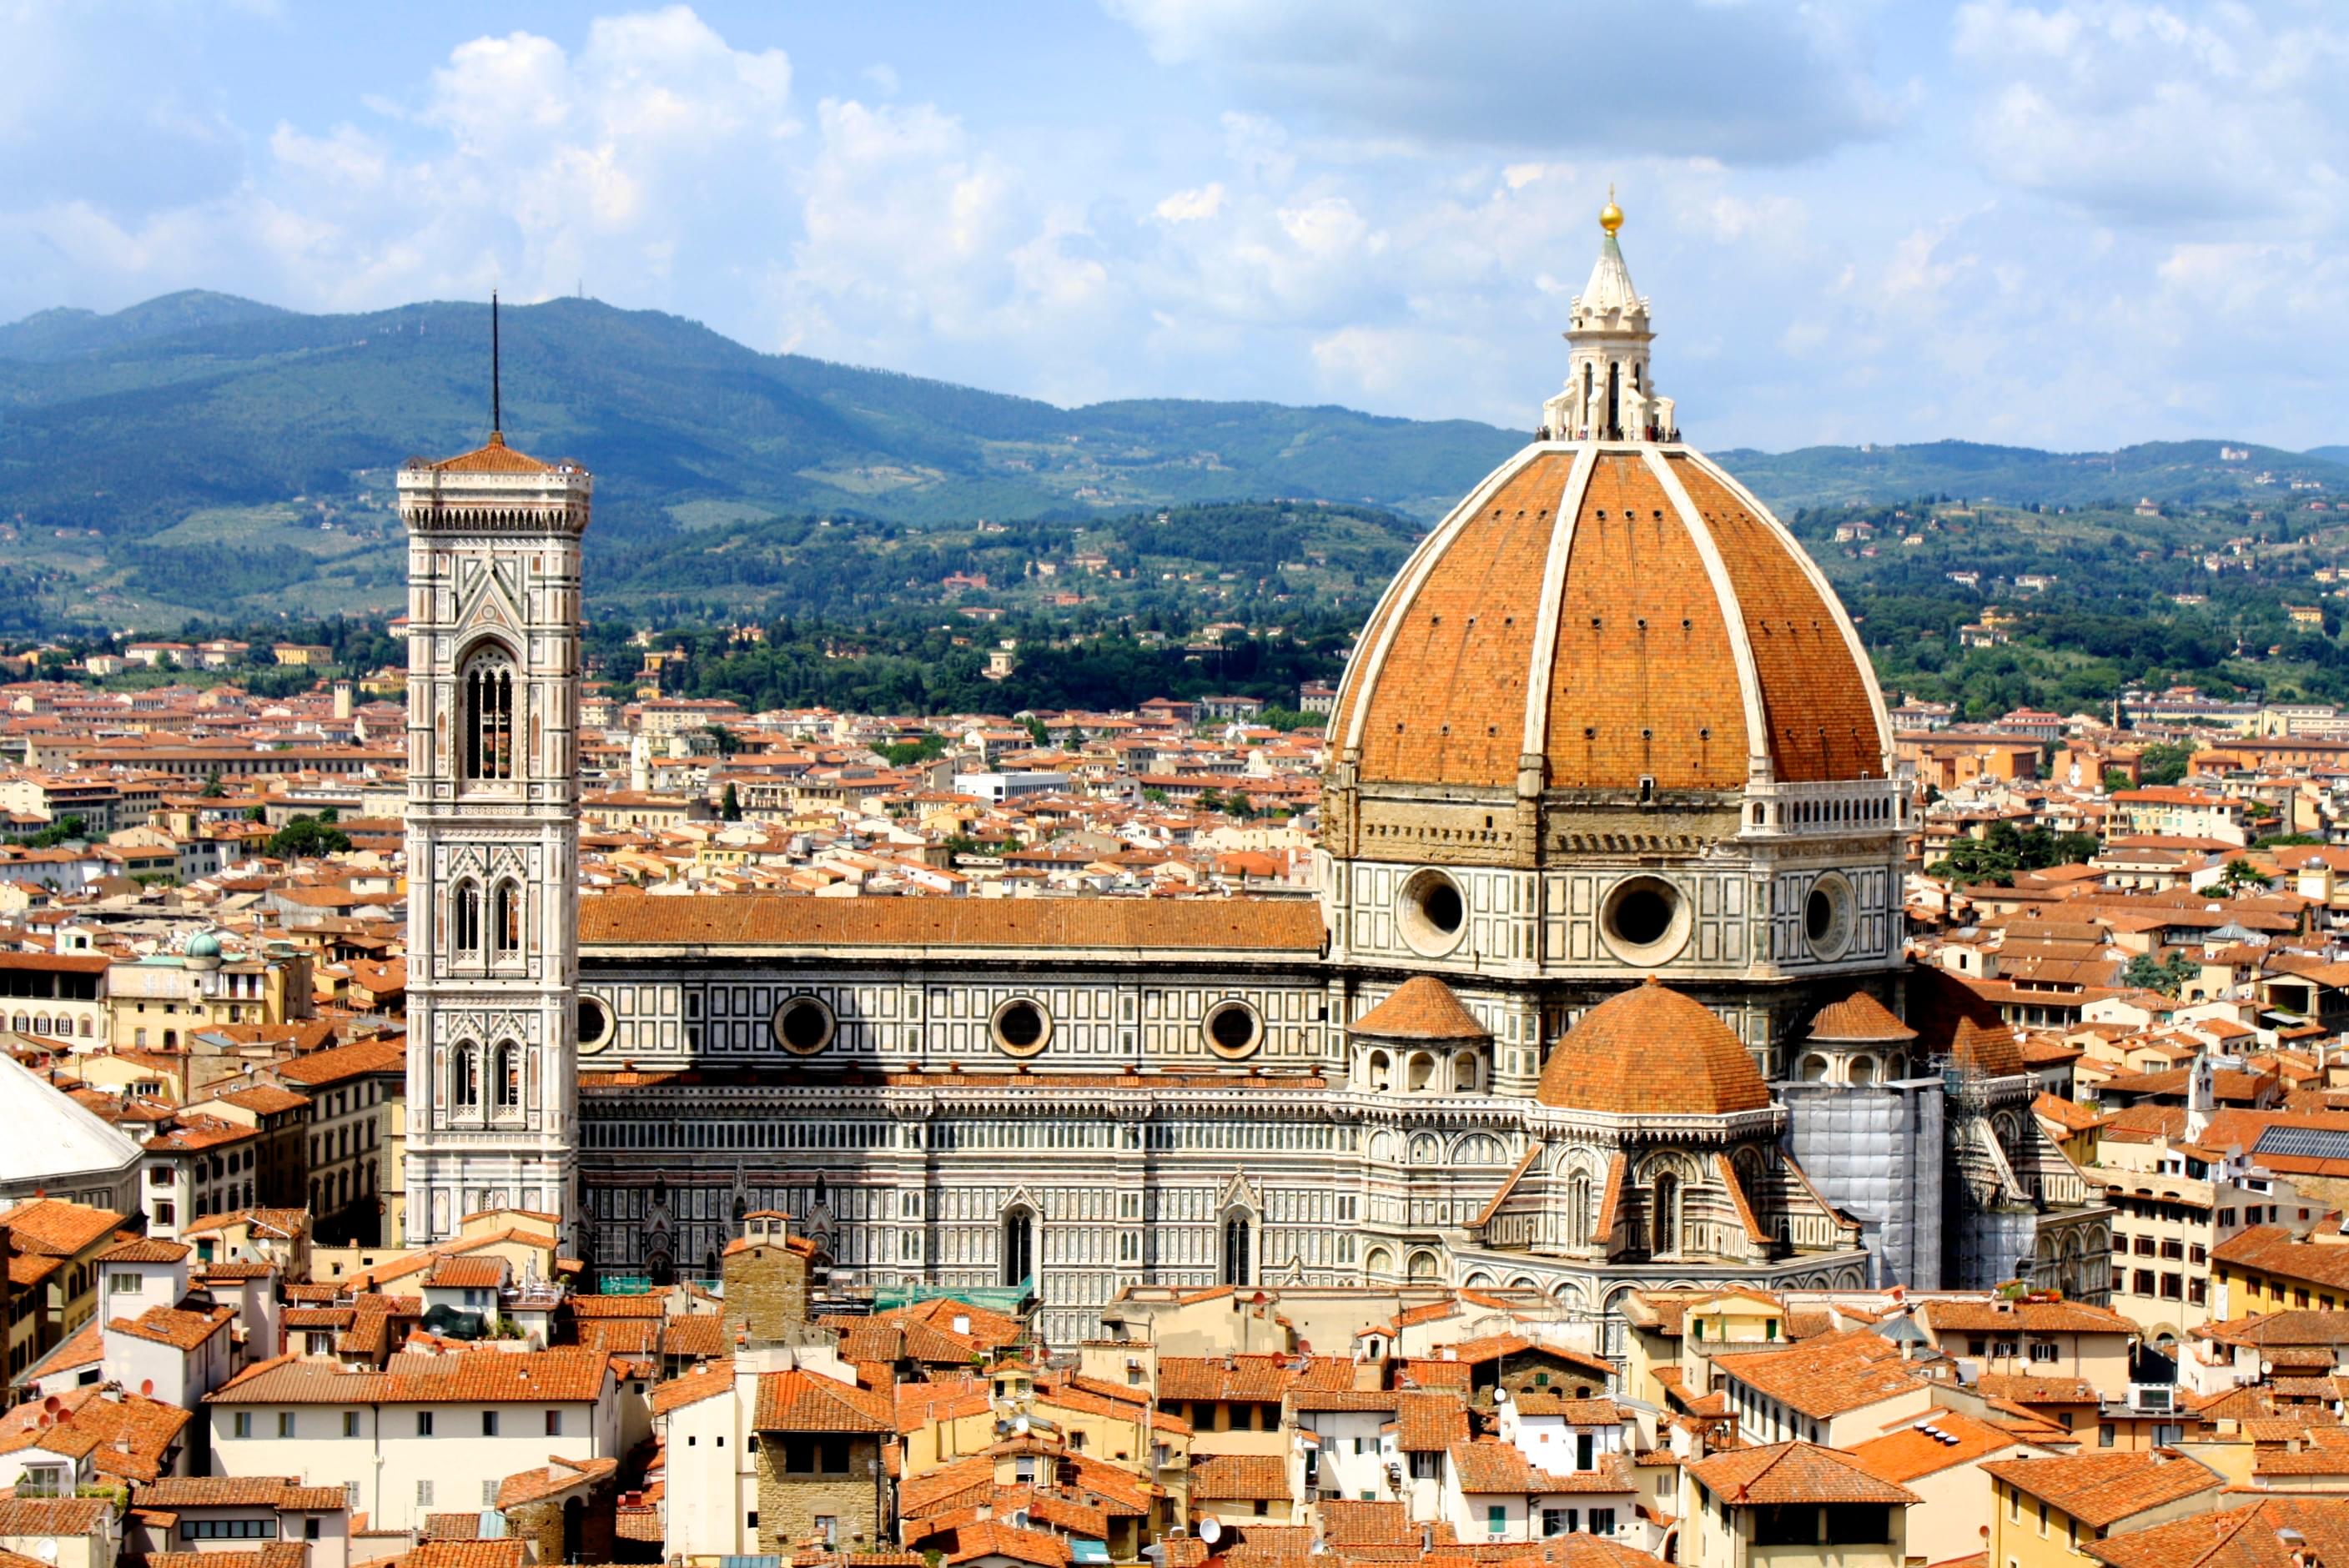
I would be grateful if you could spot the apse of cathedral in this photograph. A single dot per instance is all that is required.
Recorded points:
(1603, 987)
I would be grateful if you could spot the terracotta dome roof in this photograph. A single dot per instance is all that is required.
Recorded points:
(1624, 613)
(1989, 1051)
(493, 457)
(1858, 1019)
(1653, 1051)
(1422, 1008)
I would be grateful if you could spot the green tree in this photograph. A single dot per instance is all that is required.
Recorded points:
(64, 829)
(214, 788)
(307, 837)
(256, 814)
(2164, 762)
(729, 806)
(2241, 876)
(2167, 975)
(727, 742)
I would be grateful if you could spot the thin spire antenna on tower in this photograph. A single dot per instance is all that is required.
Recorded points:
(497, 413)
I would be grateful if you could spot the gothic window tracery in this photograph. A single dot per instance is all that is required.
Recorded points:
(465, 921)
(1239, 1239)
(506, 919)
(509, 1077)
(489, 716)
(1665, 1218)
(465, 1070)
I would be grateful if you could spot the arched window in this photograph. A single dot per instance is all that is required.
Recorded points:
(1666, 1223)
(1239, 1238)
(465, 917)
(465, 1092)
(1018, 1246)
(1463, 1072)
(509, 1077)
(1381, 1071)
(1577, 1210)
(84, 1030)
(489, 716)
(505, 914)
(1421, 1071)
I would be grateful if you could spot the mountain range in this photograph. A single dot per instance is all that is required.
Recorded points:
(131, 442)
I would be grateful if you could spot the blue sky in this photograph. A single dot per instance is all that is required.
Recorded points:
(2069, 223)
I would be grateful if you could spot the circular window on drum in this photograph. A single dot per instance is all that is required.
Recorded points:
(1645, 920)
(594, 1024)
(1234, 1030)
(1431, 912)
(1828, 916)
(804, 1025)
(1021, 1027)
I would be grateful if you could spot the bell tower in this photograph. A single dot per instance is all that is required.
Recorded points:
(493, 832)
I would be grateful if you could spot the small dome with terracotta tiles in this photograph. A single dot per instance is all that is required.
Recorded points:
(1651, 1051)
(1858, 1019)
(1422, 1008)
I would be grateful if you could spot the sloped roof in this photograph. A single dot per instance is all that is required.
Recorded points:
(1794, 1472)
(51, 1136)
(2102, 1488)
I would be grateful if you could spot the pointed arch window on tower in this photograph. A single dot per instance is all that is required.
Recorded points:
(505, 928)
(465, 1092)
(1577, 1210)
(465, 917)
(489, 716)
(509, 1077)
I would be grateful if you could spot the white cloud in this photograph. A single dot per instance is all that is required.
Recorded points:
(2162, 114)
(1192, 206)
(1742, 82)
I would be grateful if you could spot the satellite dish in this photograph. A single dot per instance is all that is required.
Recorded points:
(1211, 1530)
(46, 1550)
(1500, 1395)
(1019, 1425)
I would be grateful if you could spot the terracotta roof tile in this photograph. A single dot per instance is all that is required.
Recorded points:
(803, 1402)
(2247, 1537)
(1422, 1008)
(1239, 1478)
(776, 920)
(465, 1376)
(284, 1493)
(1860, 1019)
(1651, 1050)
(2103, 1488)
(1823, 721)
(1914, 1450)
(1796, 1473)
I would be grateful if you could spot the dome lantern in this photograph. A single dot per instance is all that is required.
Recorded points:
(1609, 394)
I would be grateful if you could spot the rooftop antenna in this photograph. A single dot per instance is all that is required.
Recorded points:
(497, 421)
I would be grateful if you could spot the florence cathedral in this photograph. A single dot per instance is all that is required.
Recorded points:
(1602, 989)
